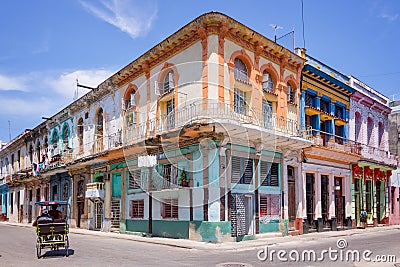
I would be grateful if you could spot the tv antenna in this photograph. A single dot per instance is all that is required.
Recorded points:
(276, 27)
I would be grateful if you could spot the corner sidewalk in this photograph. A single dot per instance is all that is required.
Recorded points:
(261, 240)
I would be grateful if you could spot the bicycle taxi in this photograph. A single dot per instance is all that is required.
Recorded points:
(52, 233)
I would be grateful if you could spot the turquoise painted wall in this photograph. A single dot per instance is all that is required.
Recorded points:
(174, 229)
(211, 231)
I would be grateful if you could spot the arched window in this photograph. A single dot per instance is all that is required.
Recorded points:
(99, 131)
(267, 82)
(240, 71)
(370, 127)
(381, 130)
(55, 139)
(358, 123)
(80, 132)
(38, 151)
(291, 93)
(168, 82)
(65, 137)
(99, 123)
(130, 99)
(65, 191)
(30, 154)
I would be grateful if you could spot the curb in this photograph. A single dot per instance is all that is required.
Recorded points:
(244, 245)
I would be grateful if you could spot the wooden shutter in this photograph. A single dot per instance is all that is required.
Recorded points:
(134, 179)
(274, 174)
(264, 170)
(236, 171)
(248, 171)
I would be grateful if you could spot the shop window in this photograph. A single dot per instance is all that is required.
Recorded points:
(134, 179)
(169, 208)
(240, 71)
(267, 82)
(242, 170)
(136, 209)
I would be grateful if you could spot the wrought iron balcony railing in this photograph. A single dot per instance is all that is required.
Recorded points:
(214, 112)
(336, 142)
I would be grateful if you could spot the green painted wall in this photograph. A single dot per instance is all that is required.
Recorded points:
(210, 231)
(174, 229)
(141, 226)
(275, 226)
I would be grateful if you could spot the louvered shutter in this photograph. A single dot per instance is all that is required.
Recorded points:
(264, 170)
(274, 174)
(236, 171)
(248, 171)
(134, 179)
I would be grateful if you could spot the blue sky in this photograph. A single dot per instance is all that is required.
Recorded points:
(46, 45)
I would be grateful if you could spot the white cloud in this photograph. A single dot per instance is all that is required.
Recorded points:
(65, 83)
(13, 83)
(30, 107)
(133, 17)
(389, 17)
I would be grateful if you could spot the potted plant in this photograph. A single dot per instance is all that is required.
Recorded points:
(184, 179)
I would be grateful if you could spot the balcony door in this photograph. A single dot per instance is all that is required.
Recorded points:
(170, 114)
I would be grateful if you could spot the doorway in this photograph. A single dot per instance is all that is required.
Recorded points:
(81, 207)
(325, 199)
(339, 201)
(310, 198)
(378, 201)
(29, 213)
(242, 215)
(291, 197)
(357, 200)
(98, 215)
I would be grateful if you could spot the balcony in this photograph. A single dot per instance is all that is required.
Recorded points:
(379, 155)
(95, 190)
(217, 114)
(333, 148)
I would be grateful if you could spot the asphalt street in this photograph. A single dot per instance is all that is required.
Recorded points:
(17, 248)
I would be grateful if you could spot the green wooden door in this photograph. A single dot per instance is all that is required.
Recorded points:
(116, 184)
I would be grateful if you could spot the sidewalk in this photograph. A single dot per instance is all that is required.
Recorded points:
(244, 245)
